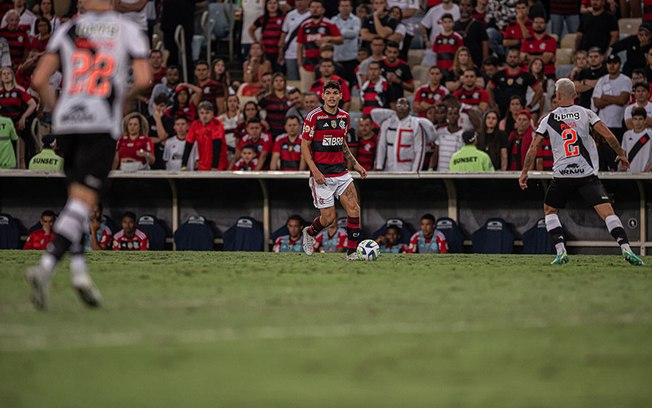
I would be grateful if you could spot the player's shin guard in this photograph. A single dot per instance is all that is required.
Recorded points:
(556, 232)
(315, 227)
(617, 231)
(353, 232)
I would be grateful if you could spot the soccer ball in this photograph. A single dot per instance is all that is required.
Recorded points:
(368, 250)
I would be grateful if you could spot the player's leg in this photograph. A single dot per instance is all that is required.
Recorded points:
(323, 197)
(594, 193)
(615, 227)
(349, 200)
(555, 199)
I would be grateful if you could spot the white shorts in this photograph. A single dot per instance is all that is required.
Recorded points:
(324, 195)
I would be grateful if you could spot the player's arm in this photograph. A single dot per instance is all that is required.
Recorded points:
(121, 7)
(306, 153)
(621, 154)
(529, 160)
(47, 66)
(353, 162)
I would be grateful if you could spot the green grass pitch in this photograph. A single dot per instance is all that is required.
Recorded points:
(269, 330)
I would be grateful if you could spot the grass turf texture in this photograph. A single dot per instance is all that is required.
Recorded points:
(224, 329)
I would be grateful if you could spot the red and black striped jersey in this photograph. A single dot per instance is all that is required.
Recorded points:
(210, 91)
(402, 70)
(374, 95)
(513, 30)
(264, 143)
(545, 153)
(472, 97)
(19, 44)
(535, 47)
(290, 152)
(425, 93)
(271, 33)
(366, 153)
(309, 33)
(647, 10)
(13, 103)
(327, 134)
(318, 87)
(276, 109)
(445, 47)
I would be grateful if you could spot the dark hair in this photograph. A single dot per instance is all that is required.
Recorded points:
(522, 2)
(399, 10)
(429, 217)
(53, 11)
(225, 79)
(266, 15)
(244, 108)
(509, 119)
(391, 44)
(292, 117)
(643, 84)
(249, 146)
(638, 111)
(332, 85)
(43, 19)
(316, 1)
(639, 71)
(447, 15)
(296, 217)
(326, 60)
(201, 62)
(375, 63)
(253, 120)
(48, 213)
(160, 97)
(155, 51)
(365, 117)
(491, 60)
(207, 106)
(128, 214)
(184, 117)
(394, 227)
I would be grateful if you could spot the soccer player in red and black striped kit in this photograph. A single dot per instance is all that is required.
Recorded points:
(325, 151)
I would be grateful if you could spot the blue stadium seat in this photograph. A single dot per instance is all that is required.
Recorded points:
(154, 231)
(194, 235)
(454, 236)
(9, 232)
(536, 240)
(406, 229)
(246, 235)
(495, 237)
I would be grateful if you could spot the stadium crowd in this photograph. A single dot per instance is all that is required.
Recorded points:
(415, 76)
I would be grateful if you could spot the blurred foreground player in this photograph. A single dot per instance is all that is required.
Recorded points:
(324, 149)
(94, 52)
(575, 168)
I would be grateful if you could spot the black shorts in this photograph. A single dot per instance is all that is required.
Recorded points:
(87, 158)
(589, 188)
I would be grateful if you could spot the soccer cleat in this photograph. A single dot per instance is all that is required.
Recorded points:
(631, 257)
(39, 281)
(308, 242)
(560, 259)
(86, 290)
(353, 257)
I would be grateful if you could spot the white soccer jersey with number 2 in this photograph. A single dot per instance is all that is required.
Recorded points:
(95, 52)
(574, 151)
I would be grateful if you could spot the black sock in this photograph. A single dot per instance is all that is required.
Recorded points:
(556, 235)
(353, 233)
(315, 227)
(620, 235)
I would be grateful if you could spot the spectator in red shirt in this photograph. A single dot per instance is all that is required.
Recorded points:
(520, 140)
(270, 24)
(40, 238)
(247, 160)
(397, 72)
(130, 238)
(255, 136)
(254, 68)
(367, 142)
(430, 94)
(286, 153)
(17, 38)
(19, 106)
(276, 104)
(210, 90)
(327, 70)
(220, 75)
(446, 43)
(373, 92)
(540, 44)
(519, 28)
(43, 33)
(208, 133)
(470, 94)
(312, 34)
(135, 150)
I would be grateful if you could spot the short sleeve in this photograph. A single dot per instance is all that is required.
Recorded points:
(277, 146)
(55, 42)
(335, 31)
(542, 129)
(368, 23)
(628, 112)
(391, 23)
(592, 116)
(137, 45)
(308, 129)
(301, 38)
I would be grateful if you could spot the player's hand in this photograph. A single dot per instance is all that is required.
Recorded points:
(522, 181)
(319, 178)
(363, 173)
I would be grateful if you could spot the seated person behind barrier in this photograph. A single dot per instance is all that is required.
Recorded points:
(390, 243)
(293, 242)
(130, 238)
(636, 143)
(263, 143)
(331, 239)
(40, 238)
(286, 153)
(47, 160)
(429, 240)
(247, 160)
(101, 235)
(135, 150)
(175, 146)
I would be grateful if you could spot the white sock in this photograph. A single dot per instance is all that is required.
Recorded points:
(78, 270)
(560, 248)
(48, 262)
(552, 222)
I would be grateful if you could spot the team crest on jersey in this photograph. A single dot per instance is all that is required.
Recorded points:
(519, 81)
(342, 124)
(398, 72)
(333, 124)
(510, 81)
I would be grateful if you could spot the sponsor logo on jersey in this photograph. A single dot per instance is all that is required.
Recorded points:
(78, 113)
(568, 115)
(571, 169)
(96, 29)
(332, 141)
